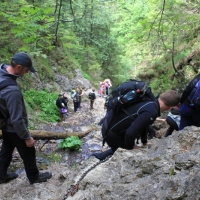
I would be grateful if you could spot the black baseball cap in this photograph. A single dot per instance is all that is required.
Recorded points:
(24, 59)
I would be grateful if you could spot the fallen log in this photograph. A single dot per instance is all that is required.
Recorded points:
(51, 135)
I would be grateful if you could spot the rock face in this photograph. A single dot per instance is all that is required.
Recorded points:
(60, 82)
(64, 84)
(170, 169)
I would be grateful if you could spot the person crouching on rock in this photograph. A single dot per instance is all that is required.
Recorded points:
(123, 130)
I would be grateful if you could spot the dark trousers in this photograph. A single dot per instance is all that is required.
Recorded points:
(116, 141)
(151, 132)
(10, 141)
(107, 90)
(172, 126)
(79, 104)
(189, 116)
(76, 106)
(91, 104)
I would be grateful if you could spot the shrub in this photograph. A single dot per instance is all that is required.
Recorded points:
(71, 143)
(43, 104)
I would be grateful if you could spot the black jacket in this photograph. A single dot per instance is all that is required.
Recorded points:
(188, 90)
(60, 103)
(12, 104)
(144, 114)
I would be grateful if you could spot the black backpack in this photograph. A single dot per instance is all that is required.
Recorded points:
(91, 96)
(121, 97)
(4, 84)
(138, 91)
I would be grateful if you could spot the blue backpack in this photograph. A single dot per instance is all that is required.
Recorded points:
(195, 96)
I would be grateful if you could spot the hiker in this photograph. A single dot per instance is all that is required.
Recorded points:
(80, 96)
(76, 99)
(15, 132)
(65, 101)
(92, 97)
(123, 130)
(61, 106)
(190, 104)
(172, 119)
(108, 84)
(101, 90)
(106, 87)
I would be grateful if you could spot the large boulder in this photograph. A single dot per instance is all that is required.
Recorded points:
(170, 169)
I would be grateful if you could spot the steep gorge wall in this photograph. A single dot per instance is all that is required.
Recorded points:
(60, 83)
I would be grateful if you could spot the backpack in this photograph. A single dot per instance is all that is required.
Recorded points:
(194, 96)
(175, 117)
(123, 96)
(73, 93)
(4, 84)
(57, 102)
(91, 96)
(129, 92)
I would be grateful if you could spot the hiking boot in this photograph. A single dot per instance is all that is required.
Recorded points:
(10, 176)
(42, 177)
(103, 155)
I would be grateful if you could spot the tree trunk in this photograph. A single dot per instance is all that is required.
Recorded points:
(50, 135)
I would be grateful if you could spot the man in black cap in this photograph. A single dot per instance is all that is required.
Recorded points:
(15, 132)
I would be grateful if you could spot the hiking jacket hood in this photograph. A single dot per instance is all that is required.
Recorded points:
(12, 105)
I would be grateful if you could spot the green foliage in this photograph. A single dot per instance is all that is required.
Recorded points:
(71, 143)
(171, 172)
(43, 104)
(52, 157)
(31, 25)
(55, 157)
(104, 39)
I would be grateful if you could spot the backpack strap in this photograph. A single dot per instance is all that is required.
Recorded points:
(125, 111)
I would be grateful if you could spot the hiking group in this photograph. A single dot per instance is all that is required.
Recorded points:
(131, 110)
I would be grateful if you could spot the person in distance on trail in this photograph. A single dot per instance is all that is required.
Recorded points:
(65, 101)
(76, 99)
(92, 97)
(123, 130)
(108, 84)
(101, 90)
(15, 132)
(80, 96)
(61, 104)
(190, 104)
